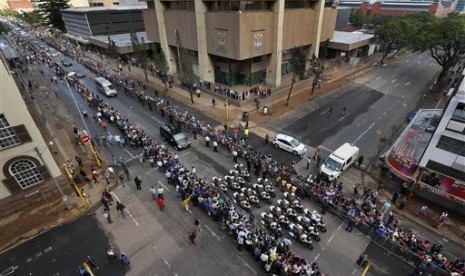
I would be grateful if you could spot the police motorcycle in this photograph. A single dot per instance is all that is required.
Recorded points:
(231, 183)
(218, 183)
(309, 228)
(251, 196)
(262, 194)
(298, 232)
(241, 200)
(267, 186)
(280, 216)
(294, 202)
(316, 219)
(242, 172)
(268, 220)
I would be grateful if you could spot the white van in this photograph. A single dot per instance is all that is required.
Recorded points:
(105, 87)
(339, 160)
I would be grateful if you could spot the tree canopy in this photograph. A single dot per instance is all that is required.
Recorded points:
(51, 12)
(184, 66)
(357, 19)
(160, 64)
(392, 36)
(443, 37)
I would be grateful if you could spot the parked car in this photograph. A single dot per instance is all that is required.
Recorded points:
(80, 75)
(290, 144)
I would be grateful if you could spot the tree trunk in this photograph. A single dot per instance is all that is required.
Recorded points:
(313, 84)
(395, 52)
(384, 56)
(290, 90)
(191, 93)
(145, 73)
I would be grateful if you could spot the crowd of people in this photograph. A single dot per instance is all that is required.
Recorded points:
(257, 92)
(360, 209)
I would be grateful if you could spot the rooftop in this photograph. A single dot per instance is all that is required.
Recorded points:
(349, 37)
(112, 8)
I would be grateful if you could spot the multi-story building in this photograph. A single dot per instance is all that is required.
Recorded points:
(17, 5)
(430, 153)
(239, 42)
(399, 7)
(26, 161)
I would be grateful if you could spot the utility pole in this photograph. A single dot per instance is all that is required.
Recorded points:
(63, 196)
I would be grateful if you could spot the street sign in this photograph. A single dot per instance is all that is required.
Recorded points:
(85, 138)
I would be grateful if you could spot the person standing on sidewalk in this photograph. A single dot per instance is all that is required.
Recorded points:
(423, 211)
(138, 183)
(207, 141)
(308, 161)
(267, 139)
(234, 153)
(79, 160)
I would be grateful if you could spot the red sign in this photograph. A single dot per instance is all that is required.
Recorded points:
(85, 138)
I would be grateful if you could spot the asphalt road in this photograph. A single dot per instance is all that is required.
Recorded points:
(157, 241)
(61, 251)
(375, 102)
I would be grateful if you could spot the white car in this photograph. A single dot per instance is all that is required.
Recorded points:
(285, 142)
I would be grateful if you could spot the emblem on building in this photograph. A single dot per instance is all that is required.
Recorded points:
(258, 42)
(221, 41)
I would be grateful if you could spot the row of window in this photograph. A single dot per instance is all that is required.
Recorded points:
(24, 171)
(451, 145)
(8, 137)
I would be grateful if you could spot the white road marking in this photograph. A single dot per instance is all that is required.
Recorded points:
(361, 135)
(166, 188)
(393, 81)
(9, 270)
(156, 119)
(334, 234)
(378, 78)
(213, 233)
(247, 265)
(407, 83)
(130, 154)
(316, 257)
(127, 211)
(326, 149)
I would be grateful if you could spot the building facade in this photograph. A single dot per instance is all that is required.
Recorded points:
(239, 42)
(399, 8)
(23, 151)
(430, 153)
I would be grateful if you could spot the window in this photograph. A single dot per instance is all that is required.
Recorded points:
(452, 145)
(25, 173)
(459, 112)
(8, 136)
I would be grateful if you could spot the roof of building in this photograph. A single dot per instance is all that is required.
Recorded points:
(122, 40)
(97, 9)
(7, 50)
(349, 38)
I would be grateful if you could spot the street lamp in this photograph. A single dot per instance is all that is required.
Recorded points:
(86, 129)
(70, 74)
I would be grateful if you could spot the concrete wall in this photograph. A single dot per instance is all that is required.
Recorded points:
(151, 26)
(184, 21)
(13, 107)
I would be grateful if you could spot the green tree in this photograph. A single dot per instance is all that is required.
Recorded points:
(357, 19)
(140, 54)
(32, 17)
(317, 67)
(9, 12)
(161, 65)
(392, 36)
(298, 63)
(184, 67)
(51, 12)
(443, 37)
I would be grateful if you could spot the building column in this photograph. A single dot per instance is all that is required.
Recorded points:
(170, 60)
(315, 49)
(206, 69)
(273, 68)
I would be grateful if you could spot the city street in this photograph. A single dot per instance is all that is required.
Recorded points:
(157, 241)
(375, 103)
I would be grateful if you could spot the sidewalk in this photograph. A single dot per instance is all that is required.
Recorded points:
(56, 126)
